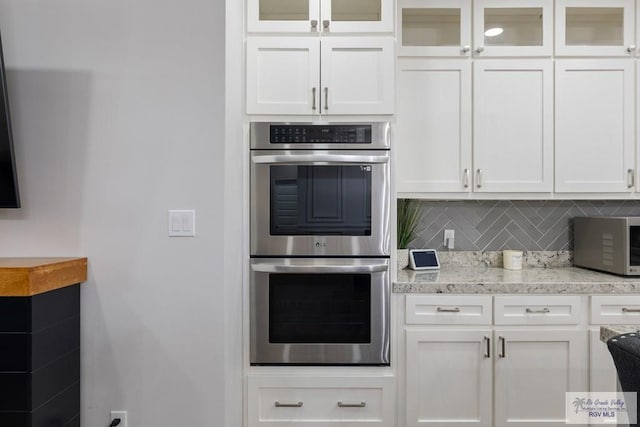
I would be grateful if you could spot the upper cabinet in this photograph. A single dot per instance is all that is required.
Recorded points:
(513, 27)
(595, 27)
(434, 27)
(312, 76)
(500, 28)
(323, 16)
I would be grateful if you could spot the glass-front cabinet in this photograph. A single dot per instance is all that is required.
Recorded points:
(320, 16)
(513, 28)
(500, 28)
(434, 27)
(595, 27)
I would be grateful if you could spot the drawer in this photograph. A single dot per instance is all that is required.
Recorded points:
(615, 309)
(448, 310)
(537, 310)
(359, 401)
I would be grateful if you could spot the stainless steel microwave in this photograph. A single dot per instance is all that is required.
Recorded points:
(609, 244)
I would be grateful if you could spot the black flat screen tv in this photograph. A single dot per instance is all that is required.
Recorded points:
(9, 196)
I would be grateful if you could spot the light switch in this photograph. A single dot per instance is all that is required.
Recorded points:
(182, 223)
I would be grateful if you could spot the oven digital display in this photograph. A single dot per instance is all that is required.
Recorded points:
(325, 134)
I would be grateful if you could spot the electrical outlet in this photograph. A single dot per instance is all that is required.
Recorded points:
(449, 238)
(119, 414)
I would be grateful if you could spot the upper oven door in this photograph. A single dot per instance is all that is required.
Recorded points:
(320, 203)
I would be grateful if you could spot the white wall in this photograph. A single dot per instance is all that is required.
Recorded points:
(118, 110)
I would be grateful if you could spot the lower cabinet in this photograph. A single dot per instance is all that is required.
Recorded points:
(513, 374)
(279, 401)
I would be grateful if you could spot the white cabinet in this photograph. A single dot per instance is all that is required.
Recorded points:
(433, 133)
(341, 75)
(595, 27)
(471, 373)
(594, 125)
(602, 371)
(533, 371)
(434, 27)
(513, 27)
(279, 401)
(449, 377)
(320, 16)
(513, 125)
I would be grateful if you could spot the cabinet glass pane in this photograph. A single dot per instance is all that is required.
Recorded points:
(284, 10)
(594, 26)
(520, 26)
(430, 27)
(356, 10)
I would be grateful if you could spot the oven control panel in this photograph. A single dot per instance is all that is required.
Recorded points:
(326, 134)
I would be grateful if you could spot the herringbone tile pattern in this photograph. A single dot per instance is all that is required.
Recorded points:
(525, 225)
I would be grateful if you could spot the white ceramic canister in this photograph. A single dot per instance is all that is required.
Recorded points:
(512, 260)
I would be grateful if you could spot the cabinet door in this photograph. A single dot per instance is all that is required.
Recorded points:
(282, 15)
(513, 27)
(533, 370)
(594, 125)
(357, 75)
(595, 27)
(283, 75)
(433, 134)
(602, 371)
(448, 378)
(363, 16)
(513, 125)
(434, 27)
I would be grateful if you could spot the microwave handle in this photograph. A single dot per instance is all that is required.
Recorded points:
(319, 158)
(279, 268)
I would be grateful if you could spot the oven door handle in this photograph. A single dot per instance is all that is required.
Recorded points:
(319, 158)
(278, 268)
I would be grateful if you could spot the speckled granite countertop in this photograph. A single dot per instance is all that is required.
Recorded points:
(609, 331)
(491, 280)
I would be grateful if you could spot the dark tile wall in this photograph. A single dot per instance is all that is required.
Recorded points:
(489, 225)
(40, 359)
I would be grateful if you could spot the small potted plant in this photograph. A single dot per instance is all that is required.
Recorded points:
(408, 220)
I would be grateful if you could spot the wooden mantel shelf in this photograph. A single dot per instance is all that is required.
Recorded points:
(20, 277)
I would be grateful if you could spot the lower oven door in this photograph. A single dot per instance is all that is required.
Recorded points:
(321, 311)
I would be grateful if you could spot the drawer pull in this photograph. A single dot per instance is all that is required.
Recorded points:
(277, 404)
(352, 405)
(448, 310)
(630, 310)
(544, 310)
(487, 354)
(503, 353)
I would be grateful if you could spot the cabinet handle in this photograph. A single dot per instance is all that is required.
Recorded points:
(325, 25)
(631, 48)
(466, 49)
(480, 49)
(326, 99)
(503, 352)
(313, 101)
(479, 178)
(314, 24)
(631, 178)
(277, 404)
(466, 178)
(630, 310)
(448, 310)
(352, 405)
(487, 354)
(531, 310)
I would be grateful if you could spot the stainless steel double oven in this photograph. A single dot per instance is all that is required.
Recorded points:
(320, 243)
